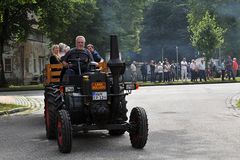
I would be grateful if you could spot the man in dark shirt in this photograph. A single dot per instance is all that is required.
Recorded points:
(144, 72)
(152, 69)
(95, 54)
(77, 53)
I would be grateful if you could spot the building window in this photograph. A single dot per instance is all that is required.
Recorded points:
(27, 64)
(41, 64)
(8, 65)
(34, 65)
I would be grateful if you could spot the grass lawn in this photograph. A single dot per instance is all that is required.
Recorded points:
(238, 104)
(26, 86)
(6, 107)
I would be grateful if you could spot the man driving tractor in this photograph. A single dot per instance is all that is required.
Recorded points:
(78, 53)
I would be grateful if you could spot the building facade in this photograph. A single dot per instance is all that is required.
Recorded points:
(24, 62)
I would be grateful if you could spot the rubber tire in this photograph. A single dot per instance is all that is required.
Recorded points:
(64, 132)
(50, 118)
(139, 136)
(116, 132)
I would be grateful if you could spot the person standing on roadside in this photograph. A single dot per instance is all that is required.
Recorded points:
(235, 68)
(184, 66)
(133, 71)
(196, 71)
(144, 72)
(192, 70)
(160, 71)
(229, 69)
(166, 71)
(223, 68)
(202, 73)
(152, 69)
(173, 71)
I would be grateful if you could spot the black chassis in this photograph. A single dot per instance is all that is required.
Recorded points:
(84, 126)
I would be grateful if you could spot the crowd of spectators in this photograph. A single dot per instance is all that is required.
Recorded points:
(196, 70)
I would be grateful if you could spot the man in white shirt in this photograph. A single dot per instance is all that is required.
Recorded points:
(160, 71)
(134, 71)
(192, 70)
(184, 69)
(202, 68)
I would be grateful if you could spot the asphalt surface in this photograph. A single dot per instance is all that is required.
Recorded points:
(186, 122)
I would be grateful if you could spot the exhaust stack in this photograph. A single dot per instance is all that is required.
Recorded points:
(117, 68)
(115, 64)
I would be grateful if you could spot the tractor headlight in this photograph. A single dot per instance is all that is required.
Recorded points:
(131, 86)
(69, 89)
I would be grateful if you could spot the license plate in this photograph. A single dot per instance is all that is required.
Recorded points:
(98, 86)
(99, 96)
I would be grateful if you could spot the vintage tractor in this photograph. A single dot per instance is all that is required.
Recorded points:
(94, 100)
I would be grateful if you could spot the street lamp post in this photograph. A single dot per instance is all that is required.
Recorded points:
(219, 55)
(177, 60)
(162, 54)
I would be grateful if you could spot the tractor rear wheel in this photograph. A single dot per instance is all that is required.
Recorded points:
(50, 118)
(139, 132)
(64, 131)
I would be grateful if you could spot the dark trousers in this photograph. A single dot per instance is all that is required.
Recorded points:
(230, 74)
(196, 74)
(223, 75)
(202, 75)
(166, 77)
(159, 77)
(144, 76)
(192, 75)
(172, 77)
(152, 77)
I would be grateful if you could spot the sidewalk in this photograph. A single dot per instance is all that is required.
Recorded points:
(31, 104)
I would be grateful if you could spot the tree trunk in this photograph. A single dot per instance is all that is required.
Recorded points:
(3, 38)
(3, 82)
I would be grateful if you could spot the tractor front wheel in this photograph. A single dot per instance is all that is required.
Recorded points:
(139, 131)
(64, 132)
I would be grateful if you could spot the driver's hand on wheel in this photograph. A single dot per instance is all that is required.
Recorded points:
(70, 65)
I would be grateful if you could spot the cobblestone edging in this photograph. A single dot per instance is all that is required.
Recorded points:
(231, 103)
(12, 111)
(32, 104)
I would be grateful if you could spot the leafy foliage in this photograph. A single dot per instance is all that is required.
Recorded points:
(206, 35)
(15, 23)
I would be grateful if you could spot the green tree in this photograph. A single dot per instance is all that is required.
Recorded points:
(227, 16)
(206, 34)
(63, 20)
(15, 23)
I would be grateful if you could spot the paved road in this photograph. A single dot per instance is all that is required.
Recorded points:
(186, 122)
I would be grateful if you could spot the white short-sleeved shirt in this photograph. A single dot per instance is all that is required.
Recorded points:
(184, 65)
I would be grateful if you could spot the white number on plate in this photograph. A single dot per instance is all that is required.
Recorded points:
(99, 96)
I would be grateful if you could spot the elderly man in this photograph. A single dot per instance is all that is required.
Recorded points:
(78, 53)
(202, 73)
(133, 71)
(95, 54)
(184, 69)
(235, 68)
